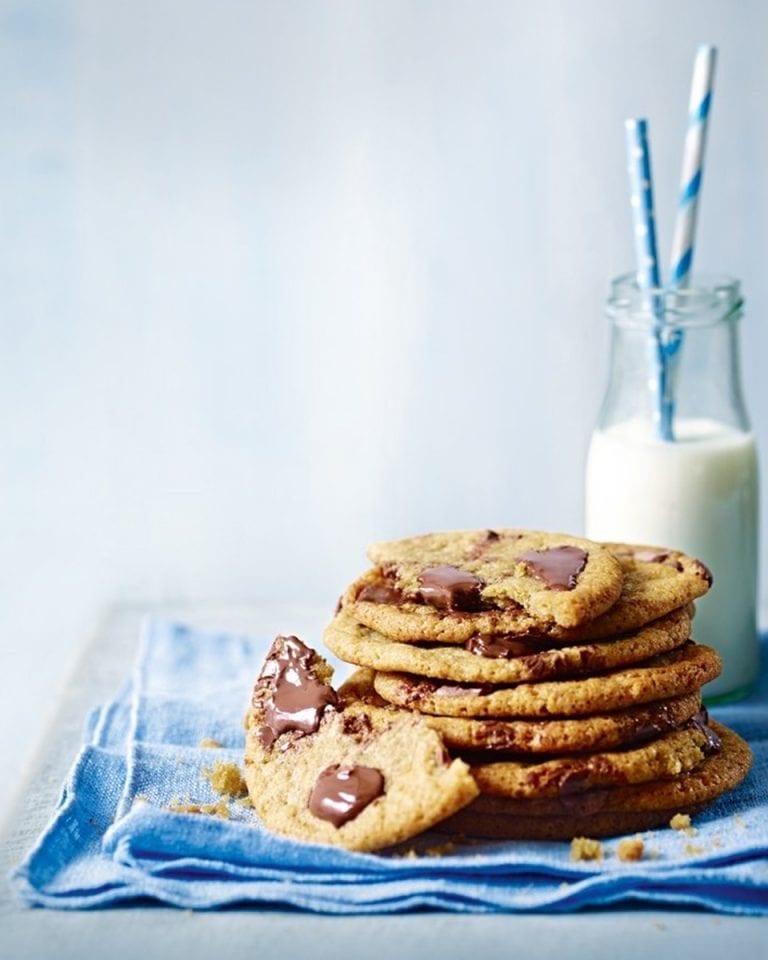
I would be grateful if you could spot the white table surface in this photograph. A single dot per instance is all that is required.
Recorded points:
(150, 931)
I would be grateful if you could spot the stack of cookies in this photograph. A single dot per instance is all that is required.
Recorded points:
(560, 670)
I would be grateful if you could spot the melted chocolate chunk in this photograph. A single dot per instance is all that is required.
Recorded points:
(649, 556)
(380, 593)
(712, 741)
(506, 648)
(578, 779)
(291, 696)
(341, 793)
(657, 720)
(448, 588)
(558, 567)
(483, 544)
(654, 556)
(557, 664)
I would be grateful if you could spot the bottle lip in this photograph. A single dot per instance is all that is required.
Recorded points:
(708, 300)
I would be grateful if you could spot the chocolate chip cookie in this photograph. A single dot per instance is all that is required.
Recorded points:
(654, 582)
(557, 735)
(610, 812)
(721, 771)
(668, 675)
(502, 659)
(318, 774)
(664, 758)
(495, 580)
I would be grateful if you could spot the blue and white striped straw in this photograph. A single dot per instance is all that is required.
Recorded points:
(641, 199)
(693, 165)
(647, 262)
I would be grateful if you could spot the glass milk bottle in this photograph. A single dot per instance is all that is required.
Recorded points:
(697, 492)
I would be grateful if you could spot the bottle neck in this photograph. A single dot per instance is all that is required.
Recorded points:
(685, 355)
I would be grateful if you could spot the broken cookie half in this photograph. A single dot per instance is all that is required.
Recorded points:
(320, 773)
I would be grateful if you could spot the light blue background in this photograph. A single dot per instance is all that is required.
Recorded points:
(282, 278)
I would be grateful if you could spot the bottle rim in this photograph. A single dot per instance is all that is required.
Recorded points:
(707, 301)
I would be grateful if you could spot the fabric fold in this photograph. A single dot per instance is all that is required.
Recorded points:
(115, 837)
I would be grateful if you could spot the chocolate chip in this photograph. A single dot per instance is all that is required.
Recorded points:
(448, 588)
(380, 593)
(357, 726)
(656, 719)
(558, 567)
(655, 556)
(704, 572)
(575, 780)
(481, 545)
(712, 743)
(648, 556)
(342, 793)
(289, 692)
(506, 648)
(587, 774)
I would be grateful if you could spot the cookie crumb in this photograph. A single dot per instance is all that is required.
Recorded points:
(682, 822)
(225, 778)
(659, 925)
(219, 809)
(740, 822)
(583, 848)
(692, 850)
(409, 854)
(245, 802)
(631, 848)
(208, 743)
(441, 850)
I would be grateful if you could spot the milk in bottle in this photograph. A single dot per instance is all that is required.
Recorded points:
(698, 492)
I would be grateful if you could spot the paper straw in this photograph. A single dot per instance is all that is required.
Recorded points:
(693, 166)
(647, 262)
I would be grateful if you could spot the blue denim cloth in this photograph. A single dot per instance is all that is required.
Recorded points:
(113, 839)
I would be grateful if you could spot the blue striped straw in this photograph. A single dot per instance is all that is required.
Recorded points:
(684, 237)
(647, 262)
(693, 166)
